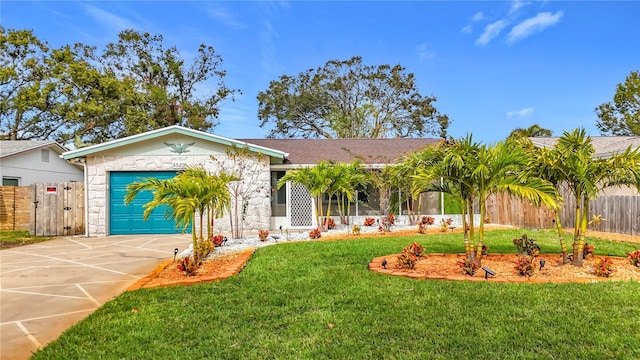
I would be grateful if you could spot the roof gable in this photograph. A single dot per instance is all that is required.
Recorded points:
(177, 148)
(17, 147)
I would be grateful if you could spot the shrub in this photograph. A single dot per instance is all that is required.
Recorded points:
(410, 256)
(329, 223)
(428, 220)
(188, 266)
(218, 240)
(315, 234)
(587, 250)
(201, 249)
(526, 246)
(422, 228)
(444, 224)
(263, 234)
(469, 267)
(355, 230)
(485, 250)
(603, 267)
(369, 221)
(415, 249)
(525, 265)
(634, 257)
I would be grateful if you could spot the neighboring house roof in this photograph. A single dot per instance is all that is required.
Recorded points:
(16, 147)
(369, 151)
(605, 146)
(168, 131)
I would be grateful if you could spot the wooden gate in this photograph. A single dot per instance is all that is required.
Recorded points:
(57, 209)
(15, 208)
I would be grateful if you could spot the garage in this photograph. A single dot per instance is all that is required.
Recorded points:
(124, 220)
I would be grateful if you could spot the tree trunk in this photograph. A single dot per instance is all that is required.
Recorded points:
(563, 243)
(480, 235)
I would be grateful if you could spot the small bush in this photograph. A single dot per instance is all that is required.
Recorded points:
(444, 224)
(634, 257)
(218, 240)
(188, 266)
(603, 267)
(469, 267)
(526, 246)
(525, 265)
(422, 228)
(355, 230)
(428, 220)
(410, 256)
(329, 223)
(315, 234)
(369, 221)
(587, 250)
(201, 249)
(263, 234)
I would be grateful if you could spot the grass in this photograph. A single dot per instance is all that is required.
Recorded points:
(311, 300)
(9, 239)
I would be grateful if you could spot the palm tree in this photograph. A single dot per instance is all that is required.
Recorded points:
(193, 191)
(349, 177)
(546, 163)
(497, 169)
(534, 130)
(586, 176)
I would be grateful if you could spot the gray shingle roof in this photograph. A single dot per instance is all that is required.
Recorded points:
(14, 147)
(604, 145)
(369, 151)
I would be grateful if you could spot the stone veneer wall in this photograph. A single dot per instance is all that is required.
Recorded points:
(98, 168)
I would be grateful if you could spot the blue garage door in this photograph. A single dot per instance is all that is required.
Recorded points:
(128, 219)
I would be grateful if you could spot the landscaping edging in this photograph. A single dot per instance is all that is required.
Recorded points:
(230, 270)
(376, 266)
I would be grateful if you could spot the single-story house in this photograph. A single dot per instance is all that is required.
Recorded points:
(605, 147)
(162, 153)
(24, 162)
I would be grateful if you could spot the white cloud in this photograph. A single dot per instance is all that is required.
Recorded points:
(520, 113)
(533, 25)
(479, 16)
(423, 52)
(490, 31)
(224, 16)
(517, 5)
(113, 21)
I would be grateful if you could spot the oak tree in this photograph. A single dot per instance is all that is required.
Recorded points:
(348, 99)
(622, 115)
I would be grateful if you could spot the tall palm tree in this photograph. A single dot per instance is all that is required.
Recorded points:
(546, 164)
(587, 176)
(349, 177)
(193, 191)
(497, 169)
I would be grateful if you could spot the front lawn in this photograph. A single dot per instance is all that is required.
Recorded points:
(9, 239)
(318, 300)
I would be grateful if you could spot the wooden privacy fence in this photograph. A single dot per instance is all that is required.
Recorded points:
(622, 213)
(43, 209)
(15, 208)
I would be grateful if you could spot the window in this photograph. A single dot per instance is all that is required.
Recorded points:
(44, 155)
(9, 181)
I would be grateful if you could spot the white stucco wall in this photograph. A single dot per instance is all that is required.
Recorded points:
(99, 167)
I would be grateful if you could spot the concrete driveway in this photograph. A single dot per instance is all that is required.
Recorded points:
(45, 288)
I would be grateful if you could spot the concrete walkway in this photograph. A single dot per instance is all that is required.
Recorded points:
(47, 287)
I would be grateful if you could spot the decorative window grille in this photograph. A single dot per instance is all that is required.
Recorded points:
(301, 207)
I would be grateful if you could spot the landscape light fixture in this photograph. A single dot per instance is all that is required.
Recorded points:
(175, 253)
(488, 272)
(542, 262)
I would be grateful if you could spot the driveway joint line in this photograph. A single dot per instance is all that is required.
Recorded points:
(29, 335)
(88, 295)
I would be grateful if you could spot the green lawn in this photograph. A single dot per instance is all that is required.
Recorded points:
(317, 300)
(9, 239)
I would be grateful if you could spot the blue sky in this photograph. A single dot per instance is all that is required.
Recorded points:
(493, 65)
